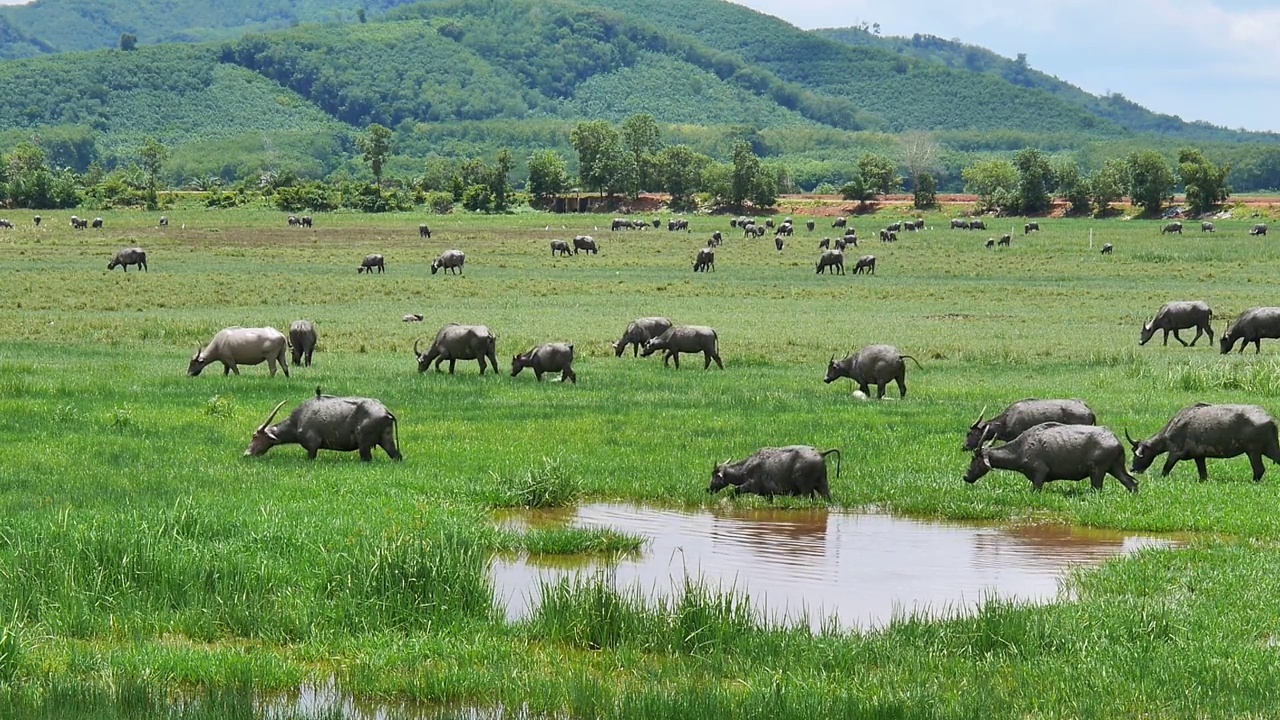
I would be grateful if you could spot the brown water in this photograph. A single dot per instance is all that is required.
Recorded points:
(858, 569)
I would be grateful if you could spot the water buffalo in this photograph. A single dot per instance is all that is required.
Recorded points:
(236, 346)
(305, 221)
(1176, 316)
(325, 422)
(370, 262)
(457, 342)
(833, 259)
(451, 260)
(840, 222)
(302, 341)
(586, 243)
(639, 332)
(865, 263)
(768, 223)
(129, 256)
(1173, 227)
(164, 221)
(810, 225)
(894, 227)
(551, 357)
(1024, 415)
(37, 220)
(686, 339)
(1207, 226)
(1054, 451)
(786, 229)
(412, 317)
(888, 236)
(873, 365)
(841, 244)
(991, 243)
(1030, 227)
(778, 243)
(1210, 431)
(977, 225)
(705, 261)
(1006, 240)
(79, 223)
(757, 231)
(97, 223)
(792, 470)
(560, 247)
(294, 221)
(959, 224)
(621, 224)
(677, 224)
(716, 239)
(1108, 249)
(1253, 325)
(424, 232)
(824, 244)
(1259, 229)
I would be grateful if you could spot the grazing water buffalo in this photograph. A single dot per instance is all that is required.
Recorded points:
(325, 422)
(37, 220)
(621, 224)
(1173, 227)
(1024, 415)
(451, 260)
(872, 365)
(1108, 249)
(305, 221)
(686, 339)
(894, 227)
(792, 470)
(677, 225)
(841, 244)
(302, 341)
(716, 239)
(824, 244)
(977, 225)
(865, 263)
(888, 236)
(97, 223)
(585, 243)
(840, 222)
(413, 317)
(164, 221)
(786, 229)
(129, 256)
(370, 262)
(457, 342)
(1259, 229)
(833, 259)
(424, 232)
(551, 357)
(639, 332)
(991, 243)
(810, 225)
(1030, 228)
(1054, 451)
(1253, 325)
(1210, 431)
(1207, 226)
(959, 224)
(757, 231)
(79, 223)
(778, 243)
(705, 261)
(1006, 240)
(236, 346)
(560, 247)
(1176, 316)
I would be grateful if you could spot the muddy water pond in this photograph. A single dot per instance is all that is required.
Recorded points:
(857, 569)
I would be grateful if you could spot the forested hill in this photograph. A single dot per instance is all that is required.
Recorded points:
(1114, 107)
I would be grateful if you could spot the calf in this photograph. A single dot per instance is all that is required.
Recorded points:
(551, 357)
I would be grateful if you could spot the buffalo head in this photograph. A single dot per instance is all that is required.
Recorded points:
(423, 363)
(1142, 454)
(264, 438)
(977, 432)
(979, 466)
(1148, 330)
(197, 363)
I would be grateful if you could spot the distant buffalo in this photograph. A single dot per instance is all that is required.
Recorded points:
(451, 260)
(424, 231)
(873, 365)
(1207, 226)
(1030, 228)
(639, 332)
(302, 341)
(686, 339)
(560, 247)
(793, 470)
(371, 262)
(129, 256)
(867, 264)
(959, 224)
(587, 244)
(1173, 227)
(236, 346)
(705, 261)
(1259, 229)
(1182, 315)
(1108, 249)
(552, 357)
(457, 342)
(833, 259)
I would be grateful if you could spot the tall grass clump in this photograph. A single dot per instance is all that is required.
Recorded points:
(1256, 378)
(547, 485)
(10, 654)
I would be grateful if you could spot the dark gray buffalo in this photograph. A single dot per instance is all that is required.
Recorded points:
(1259, 229)
(129, 256)
(586, 243)
(705, 261)
(1182, 315)
(236, 346)
(457, 342)
(866, 263)
(331, 423)
(302, 341)
(686, 339)
(1053, 451)
(793, 470)
(872, 365)
(1024, 415)
(551, 357)
(1210, 431)
(451, 260)
(1253, 326)
(559, 247)
(1173, 227)
(371, 262)
(833, 259)
(639, 332)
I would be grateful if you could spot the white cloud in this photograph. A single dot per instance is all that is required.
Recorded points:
(1212, 60)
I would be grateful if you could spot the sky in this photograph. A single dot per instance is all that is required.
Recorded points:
(1212, 60)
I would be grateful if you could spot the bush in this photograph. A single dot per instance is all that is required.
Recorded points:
(478, 198)
(440, 203)
(544, 487)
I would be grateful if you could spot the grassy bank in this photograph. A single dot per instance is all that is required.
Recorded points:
(142, 558)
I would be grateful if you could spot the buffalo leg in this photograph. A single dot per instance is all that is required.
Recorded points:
(312, 452)
(1096, 479)
(1124, 477)
(902, 387)
(1166, 338)
(1257, 347)
(1199, 332)
(1202, 470)
(880, 387)
(568, 374)
(706, 360)
(676, 357)
(864, 388)
(1168, 464)
(635, 350)
(1178, 337)
(1208, 330)
(538, 374)
(366, 453)
(453, 362)
(716, 357)
(1255, 459)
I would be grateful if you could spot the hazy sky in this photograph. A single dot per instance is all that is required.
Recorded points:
(1213, 60)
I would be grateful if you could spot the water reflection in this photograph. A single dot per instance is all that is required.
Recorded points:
(858, 568)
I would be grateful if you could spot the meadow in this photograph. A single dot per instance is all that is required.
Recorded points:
(148, 569)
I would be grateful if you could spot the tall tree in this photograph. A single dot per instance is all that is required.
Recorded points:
(746, 173)
(1205, 183)
(1035, 180)
(920, 153)
(499, 180)
(995, 182)
(643, 141)
(375, 143)
(548, 174)
(1151, 180)
(602, 160)
(679, 171)
(1107, 184)
(1070, 184)
(925, 192)
(153, 155)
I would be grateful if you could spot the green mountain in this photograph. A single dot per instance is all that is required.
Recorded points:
(1114, 107)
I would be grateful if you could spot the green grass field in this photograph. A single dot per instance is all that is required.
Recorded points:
(143, 559)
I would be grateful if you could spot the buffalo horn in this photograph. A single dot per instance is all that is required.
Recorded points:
(271, 417)
(978, 422)
(1131, 440)
(415, 347)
